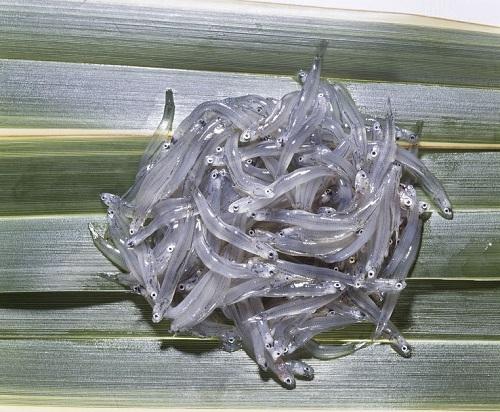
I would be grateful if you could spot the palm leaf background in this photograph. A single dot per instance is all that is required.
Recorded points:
(82, 87)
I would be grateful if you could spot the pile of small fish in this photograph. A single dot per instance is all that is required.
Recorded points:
(265, 222)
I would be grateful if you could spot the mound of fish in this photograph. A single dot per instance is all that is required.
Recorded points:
(265, 222)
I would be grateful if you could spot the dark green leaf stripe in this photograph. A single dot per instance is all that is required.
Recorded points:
(152, 373)
(55, 253)
(37, 178)
(256, 39)
(430, 309)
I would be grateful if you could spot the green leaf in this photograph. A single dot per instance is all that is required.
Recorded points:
(250, 38)
(42, 179)
(428, 309)
(82, 87)
(55, 253)
(154, 373)
(131, 98)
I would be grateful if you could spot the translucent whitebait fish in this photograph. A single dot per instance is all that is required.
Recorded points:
(317, 273)
(429, 183)
(308, 247)
(206, 298)
(297, 307)
(300, 369)
(229, 233)
(108, 250)
(279, 187)
(277, 119)
(166, 218)
(304, 289)
(126, 280)
(311, 327)
(264, 222)
(295, 138)
(327, 352)
(162, 132)
(307, 220)
(252, 288)
(219, 264)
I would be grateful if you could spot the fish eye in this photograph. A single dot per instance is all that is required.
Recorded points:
(352, 259)
(404, 348)
(218, 149)
(301, 158)
(371, 273)
(166, 146)
(399, 285)
(130, 243)
(357, 284)
(181, 286)
(267, 346)
(235, 208)
(231, 340)
(210, 160)
(374, 153)
(131, 231)
(336, 268)
(412, 137)
(268, 191)
(424, 206)
(170, 248)
(446, 210)
(271, 255)
(408, 202)
(153, 295)
(320, 94)
(259, 109)
(337, 285)
(251, 232)
(281, 233)
(360, 232)
(249, 161)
